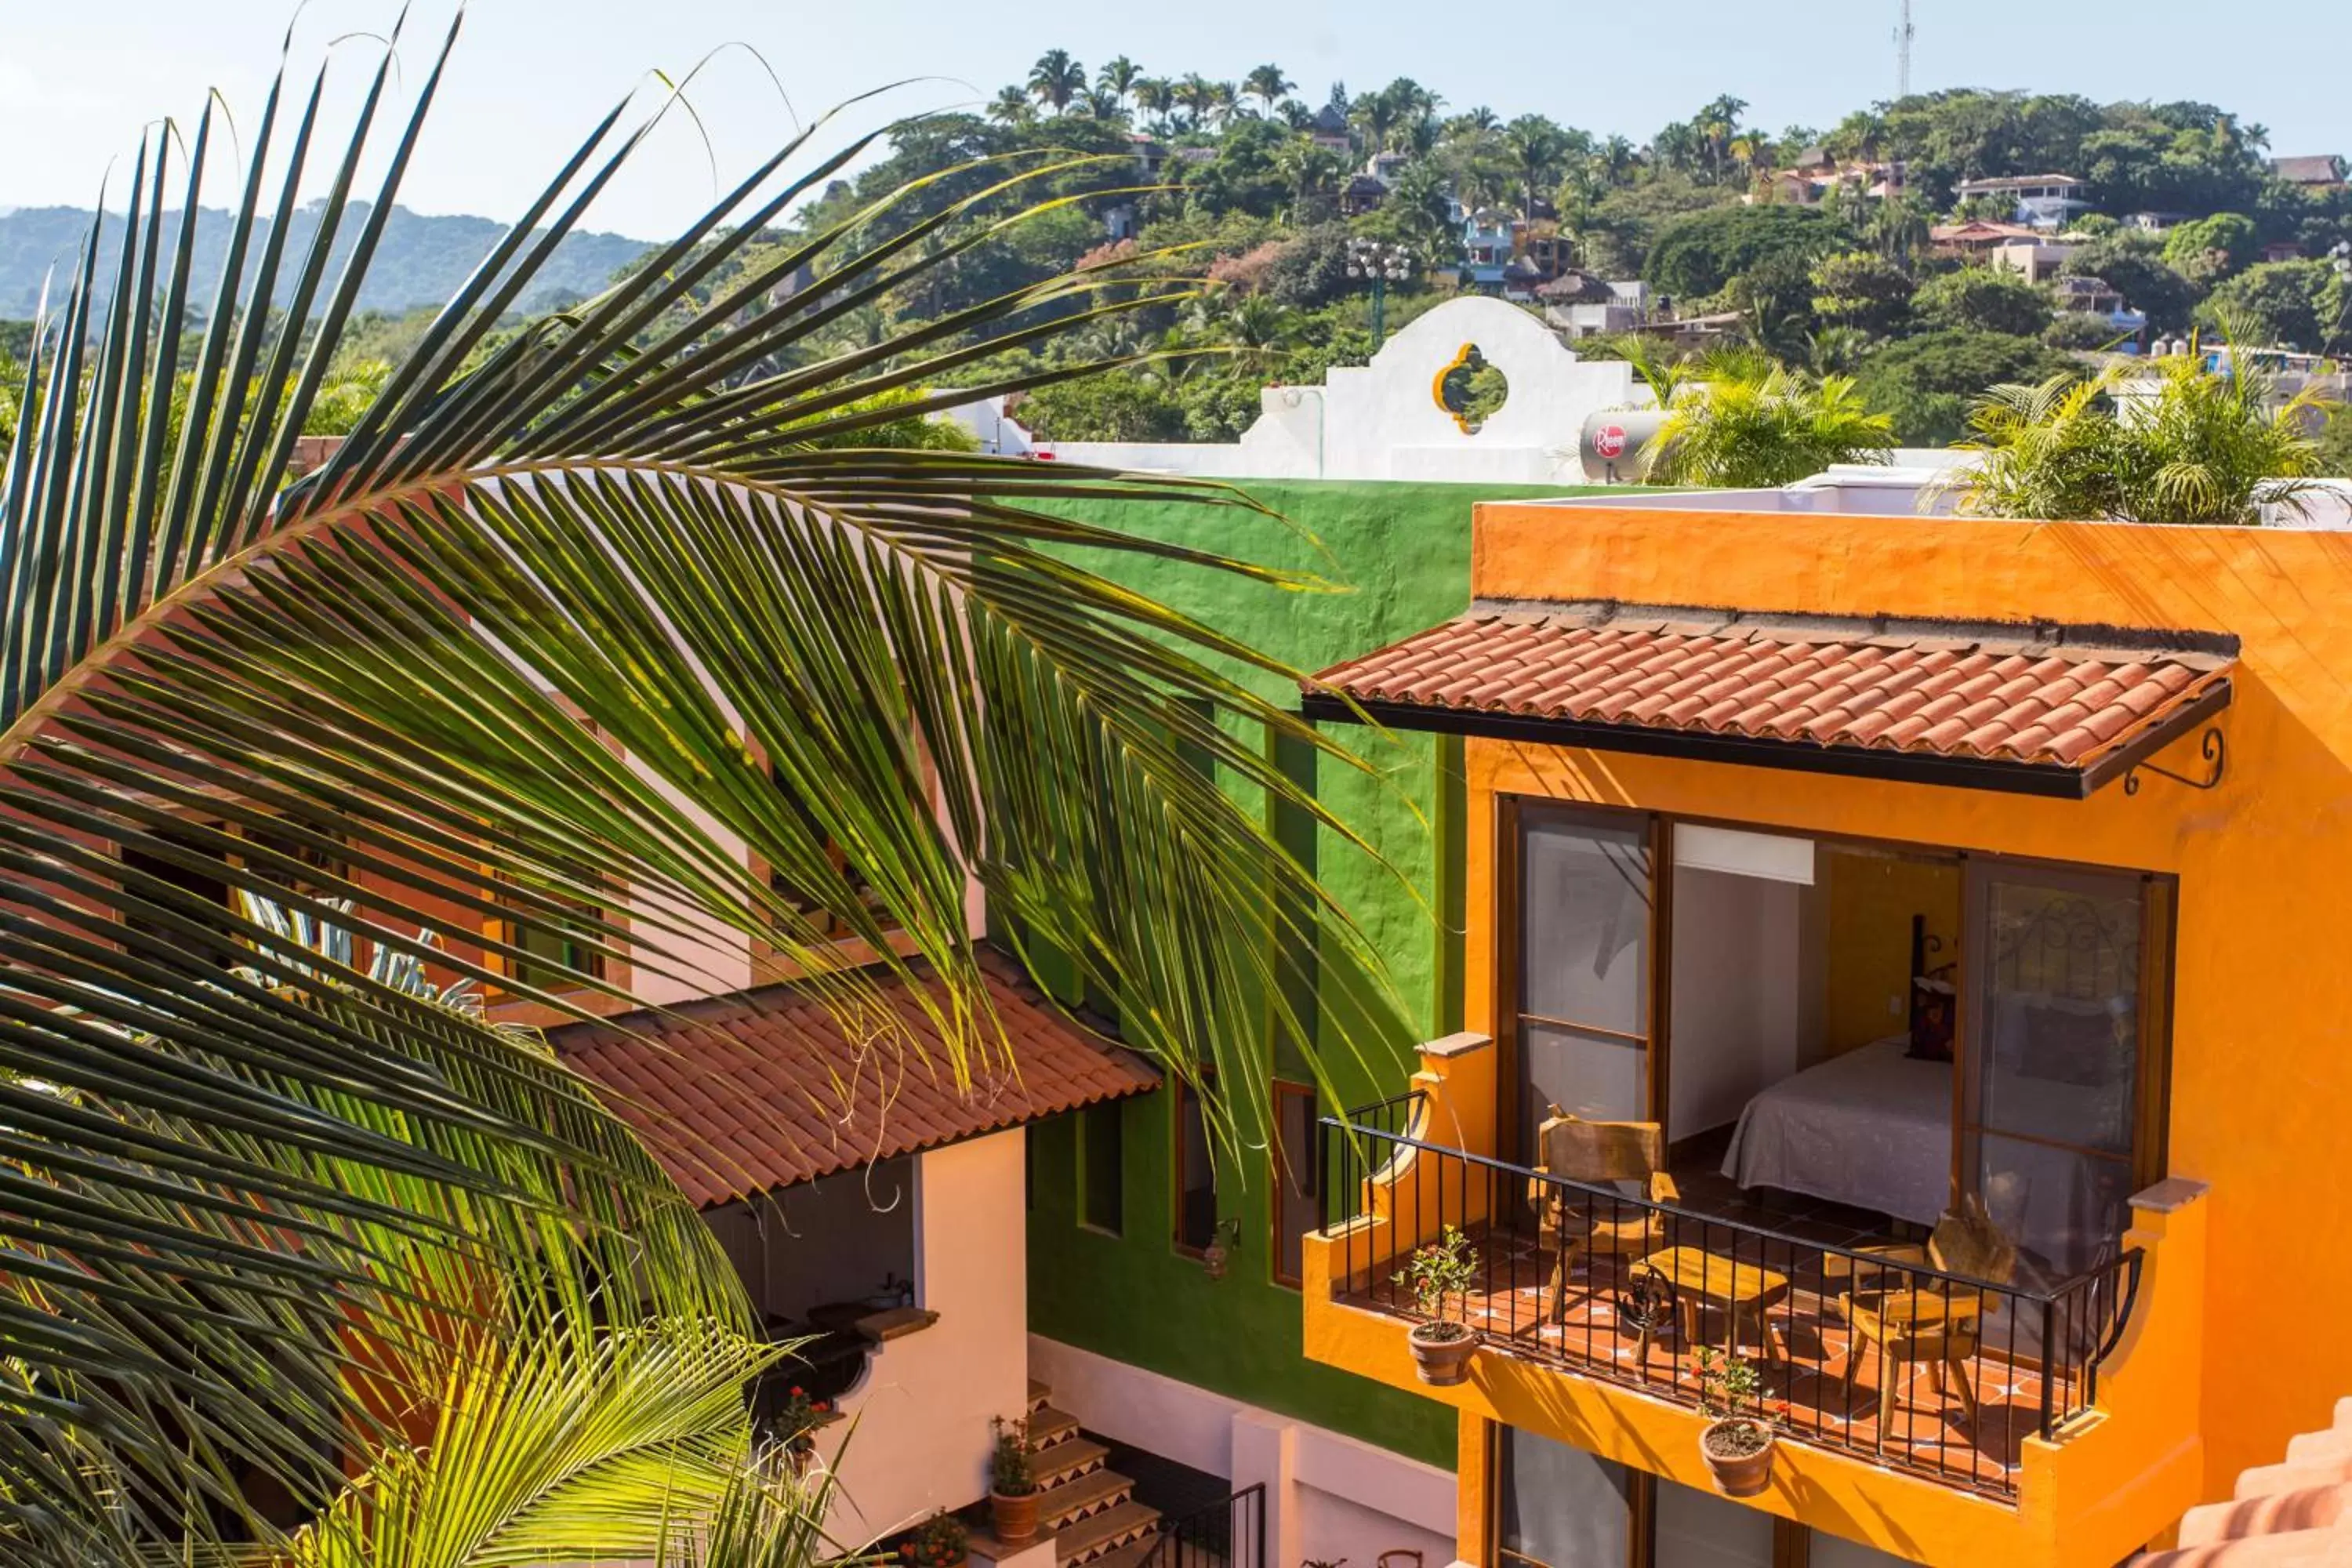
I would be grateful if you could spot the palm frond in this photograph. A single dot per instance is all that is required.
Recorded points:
(578, 634)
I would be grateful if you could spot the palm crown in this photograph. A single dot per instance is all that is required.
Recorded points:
(591, 614)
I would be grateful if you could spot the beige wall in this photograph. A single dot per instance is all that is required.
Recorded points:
(917, 1434)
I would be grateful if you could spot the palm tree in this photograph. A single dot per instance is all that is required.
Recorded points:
(1154, 95)
(1537, 147)
(1101, 103)
(1056, 78)
(1119, 77)
(1266, 84)
(2171, 442)
(577, 623)
(1374, 114)
(1616, 159)
(1011, 106)
(1898, 229)
(1310, 170)
(1224, 98)
(1197, 97)
(559, 1446)
(1716, 124)
(1473, 122)
(1746, 421)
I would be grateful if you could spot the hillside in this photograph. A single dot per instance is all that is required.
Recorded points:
(420, 260)
(1866, 248)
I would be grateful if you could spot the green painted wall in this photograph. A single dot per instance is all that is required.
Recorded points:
(1403, 551)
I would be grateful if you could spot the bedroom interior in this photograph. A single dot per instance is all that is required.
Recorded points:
(1811, 1024)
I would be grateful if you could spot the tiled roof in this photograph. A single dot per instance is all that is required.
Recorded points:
(2033, 695)
(762, 1089)
(2322, 170)
(2296, 1513)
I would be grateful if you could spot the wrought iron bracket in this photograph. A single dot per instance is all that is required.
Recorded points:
(2211, 746)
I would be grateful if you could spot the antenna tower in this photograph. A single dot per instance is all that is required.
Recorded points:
(1903, 33)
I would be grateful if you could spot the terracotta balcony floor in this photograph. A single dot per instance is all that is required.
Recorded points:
(1926, 1430)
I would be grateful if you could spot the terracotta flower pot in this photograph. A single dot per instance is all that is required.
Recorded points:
(1442, 1351)
(1015, 1517)
(1738, 1452)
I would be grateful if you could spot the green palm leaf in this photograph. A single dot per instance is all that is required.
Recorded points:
(526, 661)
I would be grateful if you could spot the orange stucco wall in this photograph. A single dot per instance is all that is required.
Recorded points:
(2261, 1104)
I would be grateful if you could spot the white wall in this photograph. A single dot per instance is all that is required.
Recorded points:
(1328, 1496)
(917, 1434)
(1382, 421)
(1737, 983)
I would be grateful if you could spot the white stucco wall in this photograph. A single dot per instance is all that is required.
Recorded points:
(1382, 421)
(916, 1438)
(1328, 1496)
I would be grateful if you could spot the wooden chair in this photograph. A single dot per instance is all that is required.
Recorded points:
(1599, 1152)
(1901, 1320)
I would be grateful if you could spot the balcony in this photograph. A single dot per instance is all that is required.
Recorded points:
(1957, 1374)
(2057, 1419)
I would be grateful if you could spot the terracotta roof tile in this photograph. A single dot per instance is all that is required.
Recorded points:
(762, 1089)
(2010, 698)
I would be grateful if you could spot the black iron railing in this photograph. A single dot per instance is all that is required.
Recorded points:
(1227, 1533)
(1869, 1351)
(1393, 1118)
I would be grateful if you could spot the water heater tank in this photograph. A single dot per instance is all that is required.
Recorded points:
(1610, 448)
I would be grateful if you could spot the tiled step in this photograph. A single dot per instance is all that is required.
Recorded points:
(2311, 1508)
(1130, 1555)
(1048, 1427)
(2317, 1447)
(1061, 1506)
(1038, 1394)
(1067, 1461)
(2267, 1480)
(1104, 1533)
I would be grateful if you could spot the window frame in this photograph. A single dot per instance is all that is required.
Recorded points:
(1181, 1090)
(1115, 1112)
(1279, 1158)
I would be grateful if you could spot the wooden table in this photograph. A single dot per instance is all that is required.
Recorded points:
(1739, 1290)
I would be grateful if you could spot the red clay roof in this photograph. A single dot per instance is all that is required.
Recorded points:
(2021, 695)
(761, 1088)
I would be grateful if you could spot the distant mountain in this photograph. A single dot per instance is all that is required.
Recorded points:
(420, 260)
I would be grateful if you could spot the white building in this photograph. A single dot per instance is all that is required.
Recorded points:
(1385, 420)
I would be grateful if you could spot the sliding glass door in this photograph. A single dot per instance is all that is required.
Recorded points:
(2061, 1062)
(1560, 1507)
(1585, 895)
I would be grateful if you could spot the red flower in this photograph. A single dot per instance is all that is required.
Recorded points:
(907, 1550)
(799, 1393)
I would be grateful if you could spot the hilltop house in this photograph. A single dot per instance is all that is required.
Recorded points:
(2041, 201)
(1860, 978)
(2325, 172)
(1978, 236)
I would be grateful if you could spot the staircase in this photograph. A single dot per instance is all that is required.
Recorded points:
(1090, 1511)
(2297, 1513)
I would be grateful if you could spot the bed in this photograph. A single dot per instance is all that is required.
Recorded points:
(1872, 1127)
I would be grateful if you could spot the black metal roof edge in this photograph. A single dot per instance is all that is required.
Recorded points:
(2048, 780)
(2085, 635)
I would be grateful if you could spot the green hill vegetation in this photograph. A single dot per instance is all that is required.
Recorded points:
(1261, 191)
(420, 260)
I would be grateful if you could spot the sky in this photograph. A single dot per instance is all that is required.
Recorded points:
(79, 78)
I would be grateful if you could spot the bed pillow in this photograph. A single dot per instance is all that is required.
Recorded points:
(1931, 1020)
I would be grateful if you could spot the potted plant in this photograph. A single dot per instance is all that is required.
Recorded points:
(1441, 1348)
(1012, 1483)
(1736, 1445)
(796, 1425)
(939, 1542)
